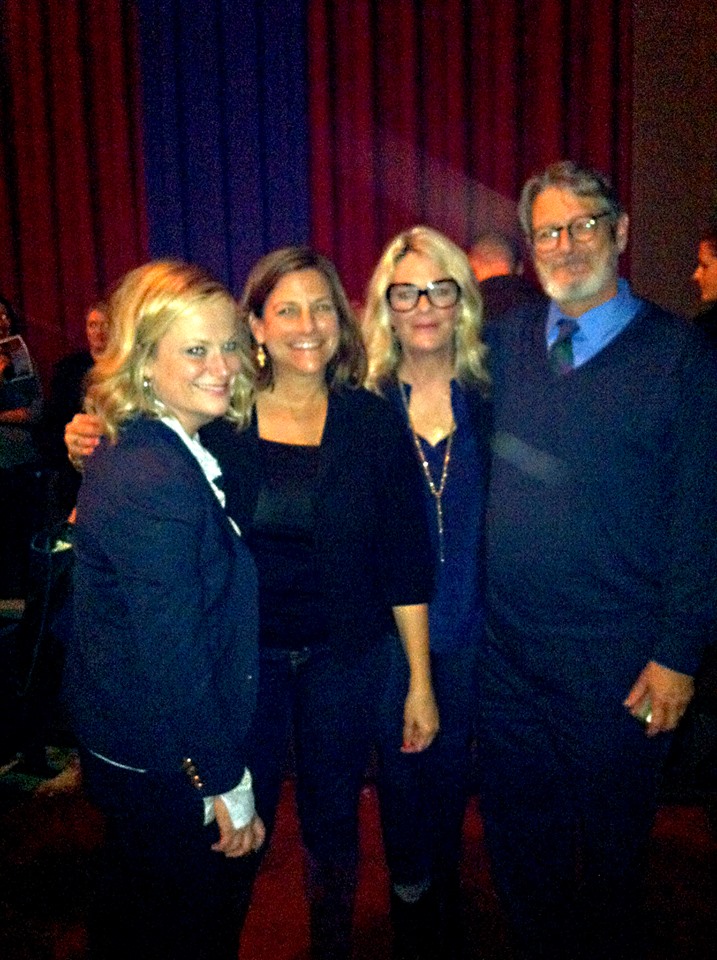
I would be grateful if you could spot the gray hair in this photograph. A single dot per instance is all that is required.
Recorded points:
(567, 175)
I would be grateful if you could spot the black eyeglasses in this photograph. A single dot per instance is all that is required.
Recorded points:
(403, 297)
(581, 230)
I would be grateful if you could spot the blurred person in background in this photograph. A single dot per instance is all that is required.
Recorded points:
(705, 276)
(21, 493)
(67, 392)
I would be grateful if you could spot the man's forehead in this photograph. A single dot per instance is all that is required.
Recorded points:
(557, 204)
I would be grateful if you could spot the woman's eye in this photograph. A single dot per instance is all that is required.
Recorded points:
(287, 311)
(231, 346)
(197, 351)
(326, 307)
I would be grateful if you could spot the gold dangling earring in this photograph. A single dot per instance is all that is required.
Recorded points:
(261, 356)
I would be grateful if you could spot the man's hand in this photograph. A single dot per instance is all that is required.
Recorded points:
(233, 842)
(665, 692)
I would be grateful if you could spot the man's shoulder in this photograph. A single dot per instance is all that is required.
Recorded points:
(665, 328)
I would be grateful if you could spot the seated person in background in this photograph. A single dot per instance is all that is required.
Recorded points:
(497, 262)
(705, 276)
(20, 397)
(20, 407)
(67, 392)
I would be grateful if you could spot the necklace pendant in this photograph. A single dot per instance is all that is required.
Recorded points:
(439, 518)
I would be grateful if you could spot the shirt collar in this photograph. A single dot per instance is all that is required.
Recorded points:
(598, 326)
(208, 463)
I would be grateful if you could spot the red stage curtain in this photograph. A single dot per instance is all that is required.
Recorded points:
(436, 111)
(71, 197)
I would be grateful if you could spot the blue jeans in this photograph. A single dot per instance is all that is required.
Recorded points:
(329, 703)
(423, 796)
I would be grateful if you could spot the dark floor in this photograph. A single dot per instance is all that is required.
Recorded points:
(48, 841)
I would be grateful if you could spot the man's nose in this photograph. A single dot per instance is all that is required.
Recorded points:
(565, 239)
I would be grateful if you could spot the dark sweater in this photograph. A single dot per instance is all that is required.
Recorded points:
(372, 542)
(601, 523)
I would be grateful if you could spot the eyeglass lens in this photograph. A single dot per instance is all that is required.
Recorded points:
(581, 229)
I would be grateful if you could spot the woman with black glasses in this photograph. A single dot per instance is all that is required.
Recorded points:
(423, 328)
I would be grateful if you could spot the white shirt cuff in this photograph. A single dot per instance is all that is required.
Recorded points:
(239, 802)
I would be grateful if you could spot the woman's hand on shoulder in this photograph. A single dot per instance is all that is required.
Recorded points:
(82, 435)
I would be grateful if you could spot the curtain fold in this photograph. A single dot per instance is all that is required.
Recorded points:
(225, 129)
(436, 111)
(72, 200)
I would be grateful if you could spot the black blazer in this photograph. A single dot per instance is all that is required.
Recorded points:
(372, 536)
(162, 664)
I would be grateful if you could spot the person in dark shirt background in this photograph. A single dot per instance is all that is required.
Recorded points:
(67, 393)
(497, 262)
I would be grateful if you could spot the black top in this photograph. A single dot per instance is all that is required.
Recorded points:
(602, 516)
(372, 543)
(282, 538)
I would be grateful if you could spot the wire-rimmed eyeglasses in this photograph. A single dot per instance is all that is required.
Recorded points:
(579, 229)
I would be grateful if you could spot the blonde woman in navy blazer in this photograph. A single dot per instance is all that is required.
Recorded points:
(162, 669)
(325, 485)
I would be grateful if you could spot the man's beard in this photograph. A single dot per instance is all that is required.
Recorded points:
(585, 287)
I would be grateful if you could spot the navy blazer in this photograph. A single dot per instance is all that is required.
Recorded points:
(162, 666)
(372, 540)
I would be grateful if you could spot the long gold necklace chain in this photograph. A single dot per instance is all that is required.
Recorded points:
(436, 492)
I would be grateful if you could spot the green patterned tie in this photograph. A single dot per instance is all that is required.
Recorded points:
(560, 354)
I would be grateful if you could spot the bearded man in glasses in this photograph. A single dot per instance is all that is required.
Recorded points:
(601, 575)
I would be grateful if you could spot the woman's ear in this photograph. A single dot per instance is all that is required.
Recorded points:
(256, 325)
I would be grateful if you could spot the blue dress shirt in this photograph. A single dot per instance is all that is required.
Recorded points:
(597, 327)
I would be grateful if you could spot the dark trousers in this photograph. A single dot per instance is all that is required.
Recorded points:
(568, 795)
(161, 891)
(423, 795)
(329, 703)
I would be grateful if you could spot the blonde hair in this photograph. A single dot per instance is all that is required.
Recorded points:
(384, 349)
(141, 310)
